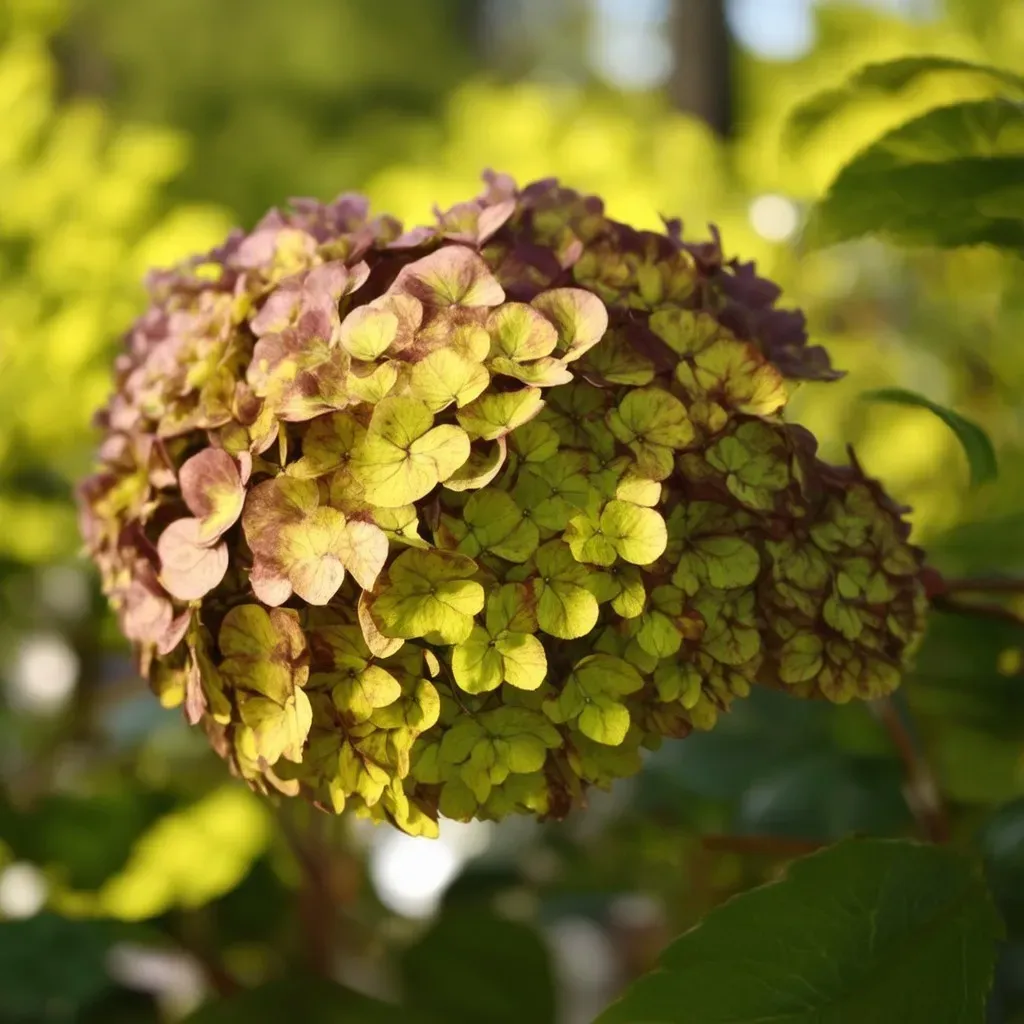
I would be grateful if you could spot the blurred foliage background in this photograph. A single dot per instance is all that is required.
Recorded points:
(135, 880)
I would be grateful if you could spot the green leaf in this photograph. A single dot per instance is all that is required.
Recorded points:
(187, 858)
(473, 966)
(981, 456)
(308, 999)
(367, 332)
(653, 423)
(951, 177)
(869, 930)
(885, 79)
(520, 332)
(51, 969)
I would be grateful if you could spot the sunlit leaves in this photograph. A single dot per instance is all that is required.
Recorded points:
(735, 374)
(950, 177)
(477, 754)
(492, 521)
(981, 456)
(506, 649)
(637, 534)
(516, 545)
(445, 377)
(519, 332)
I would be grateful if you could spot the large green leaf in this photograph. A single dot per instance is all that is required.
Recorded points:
(52, 968)
(951, 177)
(886, 79)
(981, 456)
(309, 1000)
(866, 931)
(473, 967)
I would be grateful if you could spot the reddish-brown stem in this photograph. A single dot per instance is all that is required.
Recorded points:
(984, 585)
(920, 788)
(984, 610)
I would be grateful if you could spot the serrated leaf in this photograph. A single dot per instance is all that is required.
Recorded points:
(886, 78)
(981, 456)
(951, 177)
(869, 930)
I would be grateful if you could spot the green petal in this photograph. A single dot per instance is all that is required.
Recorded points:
(604, 721)
(638, 534)
(579, 317)
(367, 333)
(426, 594)
(495, 415)
(445, 377)
(519, 332)
(477, 664)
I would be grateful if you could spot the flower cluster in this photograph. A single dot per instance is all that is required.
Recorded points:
(458, 520)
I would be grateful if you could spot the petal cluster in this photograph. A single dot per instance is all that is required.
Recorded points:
(458, 520)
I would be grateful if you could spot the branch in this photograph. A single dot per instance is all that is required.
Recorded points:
(316, 904)
(984, 585)
(920, 788)
(979, 609)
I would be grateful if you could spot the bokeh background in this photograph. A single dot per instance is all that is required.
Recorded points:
(136, 879)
